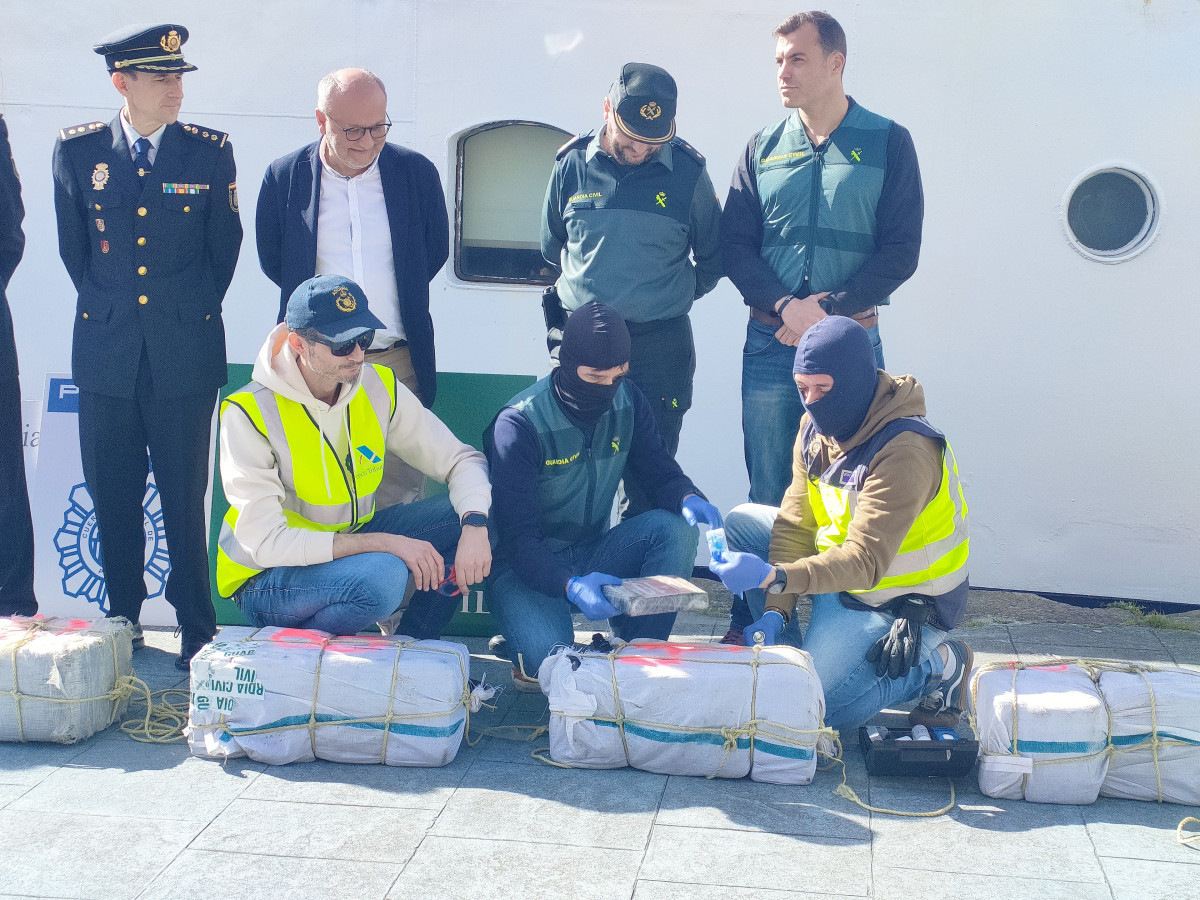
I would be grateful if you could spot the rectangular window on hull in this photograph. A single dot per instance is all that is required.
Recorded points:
(503, 169)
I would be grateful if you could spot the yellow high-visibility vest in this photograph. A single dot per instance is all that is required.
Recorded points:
(932, 559)
(344, 501)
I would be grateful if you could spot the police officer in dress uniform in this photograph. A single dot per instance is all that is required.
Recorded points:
(632, 219)
(149, 231)
(16, 562)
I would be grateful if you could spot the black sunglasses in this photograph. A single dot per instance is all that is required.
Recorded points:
(345, 348)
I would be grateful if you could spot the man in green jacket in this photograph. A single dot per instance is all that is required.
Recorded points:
(633, 221)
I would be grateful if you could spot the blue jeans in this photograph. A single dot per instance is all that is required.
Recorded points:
(839, 637)
(655, 543)
(344, 596)
(771, 410)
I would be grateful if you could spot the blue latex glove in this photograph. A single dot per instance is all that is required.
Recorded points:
(739, 571)
(769, 626)
(696, 510)
(584, 591)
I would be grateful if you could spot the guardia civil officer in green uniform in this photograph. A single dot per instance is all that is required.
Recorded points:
(148, 229)
(633, 221)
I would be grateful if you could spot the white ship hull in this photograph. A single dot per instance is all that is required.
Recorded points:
(1061, 381)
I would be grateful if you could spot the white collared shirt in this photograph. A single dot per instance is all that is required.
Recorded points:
(354, 239)
(131, 136)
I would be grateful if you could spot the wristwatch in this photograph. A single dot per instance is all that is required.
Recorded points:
(780, 582)
(474, 518)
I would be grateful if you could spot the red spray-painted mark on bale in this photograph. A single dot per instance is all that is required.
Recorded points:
(673, 654)
(300, 637)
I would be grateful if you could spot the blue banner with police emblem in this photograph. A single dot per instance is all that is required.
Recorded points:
(68, 567)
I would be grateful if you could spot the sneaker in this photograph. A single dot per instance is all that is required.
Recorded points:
(524, 683)
(498, 646)
(733, 636)
(139, 639)
(944, 707)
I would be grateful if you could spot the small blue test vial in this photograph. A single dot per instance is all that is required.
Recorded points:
(716, 541)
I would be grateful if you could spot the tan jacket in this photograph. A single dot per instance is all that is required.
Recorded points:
(901, 481)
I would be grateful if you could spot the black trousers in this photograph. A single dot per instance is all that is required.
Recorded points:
(16, 527)
(114, 436)
(662, 363)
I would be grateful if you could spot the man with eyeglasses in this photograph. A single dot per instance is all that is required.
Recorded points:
(353, 204)
(306, 542)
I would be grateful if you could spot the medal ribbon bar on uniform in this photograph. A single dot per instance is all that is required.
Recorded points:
(173, 188)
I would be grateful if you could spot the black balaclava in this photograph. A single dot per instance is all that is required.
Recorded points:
(839, 347)
(595, 335)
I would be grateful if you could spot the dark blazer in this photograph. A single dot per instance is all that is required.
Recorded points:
(286, 224)
(151, 263)
(12, 245)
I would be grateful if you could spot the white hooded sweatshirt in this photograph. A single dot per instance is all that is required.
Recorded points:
(250, 474)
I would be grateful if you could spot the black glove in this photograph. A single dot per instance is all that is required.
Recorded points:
(897, 652)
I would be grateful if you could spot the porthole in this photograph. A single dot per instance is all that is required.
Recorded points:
(1111, 214)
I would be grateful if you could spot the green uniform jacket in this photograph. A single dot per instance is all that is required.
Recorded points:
(627, 235)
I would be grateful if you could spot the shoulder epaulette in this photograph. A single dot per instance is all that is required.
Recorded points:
(208, 135)
(580, 140)
(75, 131)
(688, 149)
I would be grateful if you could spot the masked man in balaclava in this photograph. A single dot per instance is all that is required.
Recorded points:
(556, 454)
(873, 528)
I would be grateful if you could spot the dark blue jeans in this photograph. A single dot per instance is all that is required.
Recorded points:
(655, 543)
(344, 596)
(771, 411)
(838, 637)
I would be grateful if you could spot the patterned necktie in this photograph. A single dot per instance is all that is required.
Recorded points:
(141, 159)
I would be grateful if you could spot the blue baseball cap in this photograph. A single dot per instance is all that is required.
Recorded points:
(333, 306)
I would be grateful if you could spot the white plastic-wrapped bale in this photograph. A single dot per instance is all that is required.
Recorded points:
(1043, 733)
(1155, 715)
(288, 695)
(682, 709)
(61, 679)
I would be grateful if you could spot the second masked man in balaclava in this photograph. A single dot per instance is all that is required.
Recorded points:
(556, 454)
(873, 528)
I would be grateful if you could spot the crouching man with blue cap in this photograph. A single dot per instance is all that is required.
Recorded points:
(873, 528)
(302, 456)
(557, 451)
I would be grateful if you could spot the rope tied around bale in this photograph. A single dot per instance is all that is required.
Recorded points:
(1094, 668)
(729, 734)
(123, 685)
(469, 700)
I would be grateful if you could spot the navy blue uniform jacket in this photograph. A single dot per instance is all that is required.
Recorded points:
(286, 224)
(151, 263)
(12, 245)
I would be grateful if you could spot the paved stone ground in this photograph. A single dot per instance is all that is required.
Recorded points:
(111, 818)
